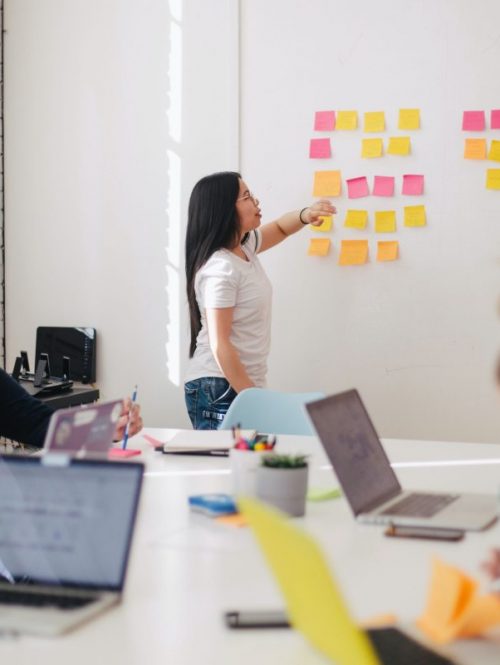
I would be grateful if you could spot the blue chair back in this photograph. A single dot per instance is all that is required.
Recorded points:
(271, 411)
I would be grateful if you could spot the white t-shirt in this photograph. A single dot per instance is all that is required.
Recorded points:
(226, 280)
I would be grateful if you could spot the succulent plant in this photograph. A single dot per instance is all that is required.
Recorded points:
(274, 461)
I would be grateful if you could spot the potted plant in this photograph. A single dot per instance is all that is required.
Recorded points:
(282, 482)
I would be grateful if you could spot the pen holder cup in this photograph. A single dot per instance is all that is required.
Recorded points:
(244, 465)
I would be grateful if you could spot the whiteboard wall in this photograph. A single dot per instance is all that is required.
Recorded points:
(418, 337)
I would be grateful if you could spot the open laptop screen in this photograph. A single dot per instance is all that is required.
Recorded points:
(354, 449)
(69, 524)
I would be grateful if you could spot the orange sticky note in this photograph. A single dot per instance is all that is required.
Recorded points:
(319, 246)
(387, 250)
(399, 145)
(475, 149)
(409, 119)
(482, 613)
(414, 216)
(236, 520)
(356, 219)
(353, 252)
(347, 120)
(385, 221)
(327, 183)
(326, 224)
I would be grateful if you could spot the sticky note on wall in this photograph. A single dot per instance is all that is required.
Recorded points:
(385, 221)
(319, 246)
(495, 119)
(326, 224)
(327, 183)
(383, 185)
(324, 121)
(357, 187)
(387, 250)
(356, 219)
(494, 153)
(414, 216)
(371, 148)
(399, 145)
(320, 149)
(409, 119)
(347, 120)
(353, 252)
(473, 121)
(493, 179)
(475, 149)
(413, 185)
(374, 121)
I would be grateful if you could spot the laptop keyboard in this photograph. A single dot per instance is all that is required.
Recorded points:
(420, 505)
(11, 597)
(395, 648)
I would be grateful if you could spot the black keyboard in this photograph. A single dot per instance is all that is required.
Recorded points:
(11, 597)
(395, 648)
(420, 505)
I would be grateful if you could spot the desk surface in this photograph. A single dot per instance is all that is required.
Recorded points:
(186, 570)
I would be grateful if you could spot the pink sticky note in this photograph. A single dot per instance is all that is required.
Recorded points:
(119, 453)
(357, 187)
(413, 185)
(324, 121)
(473, 121)
(495, 119)
(320, 149)
(383, 185)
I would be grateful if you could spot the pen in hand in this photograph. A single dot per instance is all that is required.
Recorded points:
(125, 435)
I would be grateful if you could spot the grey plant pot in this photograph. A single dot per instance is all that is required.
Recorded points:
(285, 489)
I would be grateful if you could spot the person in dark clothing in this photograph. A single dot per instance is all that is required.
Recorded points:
(25, 419)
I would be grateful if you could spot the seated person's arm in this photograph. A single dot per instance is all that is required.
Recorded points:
(219, 323)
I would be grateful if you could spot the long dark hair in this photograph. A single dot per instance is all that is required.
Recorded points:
(213, 224)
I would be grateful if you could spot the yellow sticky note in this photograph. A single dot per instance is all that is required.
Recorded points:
(385, 221)
(387, 250)
(374, 121)
(475, 149)
(494, 153)
(371, 148)
(353, 252)
(493, 179)
(399, 145)
(312, 596)
(415, 215)
(356, 219)
(409, 119)
(326, 224)
(347, 120)
(327, 183)
(318, 246)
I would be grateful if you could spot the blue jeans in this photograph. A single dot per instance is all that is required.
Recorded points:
(207, 401)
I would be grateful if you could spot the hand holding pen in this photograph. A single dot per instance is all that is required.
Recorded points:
(134, 420)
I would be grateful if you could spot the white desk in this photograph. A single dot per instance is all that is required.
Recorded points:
(185, 570)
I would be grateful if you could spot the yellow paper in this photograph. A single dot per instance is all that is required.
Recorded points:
(371, 148)
(353, 252)
(409, 119)
(493, 179)
(347, 120)
(313, 600)
(475, 149)
(399, 145)
(326, 224)
(385, 221)
(327, 183)
(356, 219)
(494, 153)
(319, 246)
(374, 121)
(415, 215)
(387, 250)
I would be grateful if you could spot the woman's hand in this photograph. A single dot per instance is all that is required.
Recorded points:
(322, 208)
(135, 424)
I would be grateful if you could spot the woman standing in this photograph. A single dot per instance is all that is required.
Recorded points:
(228, 292)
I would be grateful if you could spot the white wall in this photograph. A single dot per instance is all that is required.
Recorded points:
(113, 110)
(418, 337)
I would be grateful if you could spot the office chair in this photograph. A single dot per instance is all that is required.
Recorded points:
(271, 411)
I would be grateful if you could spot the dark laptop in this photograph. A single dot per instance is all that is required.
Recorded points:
(65, 535)
(369, 483)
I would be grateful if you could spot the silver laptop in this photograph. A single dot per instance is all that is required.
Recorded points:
(65, 535)
(83, 430)
(369, 483)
